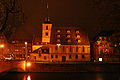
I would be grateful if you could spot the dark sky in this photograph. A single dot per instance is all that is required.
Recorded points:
(84, 13)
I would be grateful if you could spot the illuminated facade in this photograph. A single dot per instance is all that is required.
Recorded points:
(60, 44)
(104, 47)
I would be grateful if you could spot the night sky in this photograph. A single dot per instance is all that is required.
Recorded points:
(88, 14)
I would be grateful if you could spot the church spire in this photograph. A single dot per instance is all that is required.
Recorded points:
(47, 17)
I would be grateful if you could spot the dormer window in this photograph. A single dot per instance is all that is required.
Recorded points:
(58, 31)
(69, 41)
(68, 31)
(78, 36)
(46, 27)
(68, 36)
(58, 40)
(58, 36)
(77, 31)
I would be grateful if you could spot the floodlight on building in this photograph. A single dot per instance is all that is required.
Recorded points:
(1, 45)
(58, 45)
(100, 59)
(25, 43)
(28, 64)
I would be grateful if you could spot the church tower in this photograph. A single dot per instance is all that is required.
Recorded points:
(46, 29)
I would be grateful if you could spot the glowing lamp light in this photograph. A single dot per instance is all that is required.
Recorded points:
(29, 78)
(58, 45)
(28, 64)
(2, 46)
(100, 59)
(25, 43)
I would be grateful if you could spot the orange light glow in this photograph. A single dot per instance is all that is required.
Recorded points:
(28, 64)
(29, 78)
(2, 46)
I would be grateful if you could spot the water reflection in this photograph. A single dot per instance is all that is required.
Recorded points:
(27, 77)
(60, 76)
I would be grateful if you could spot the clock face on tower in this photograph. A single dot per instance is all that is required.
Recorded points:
(2, 14)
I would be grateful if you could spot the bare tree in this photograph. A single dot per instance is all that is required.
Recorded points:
(11, 15)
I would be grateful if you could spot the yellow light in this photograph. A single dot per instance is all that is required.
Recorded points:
(2, 46)
(29, 78)
(25, 43)
(28, 64)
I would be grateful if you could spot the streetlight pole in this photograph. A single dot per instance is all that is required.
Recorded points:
(2, 46)
(26, 50)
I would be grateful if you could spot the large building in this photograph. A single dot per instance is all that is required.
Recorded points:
(106, 46)
(60, 44)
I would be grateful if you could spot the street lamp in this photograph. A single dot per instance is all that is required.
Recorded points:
(26, 50)
(2, 46)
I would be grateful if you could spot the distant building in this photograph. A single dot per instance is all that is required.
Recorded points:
(103, 47)
(60, 44)
(4, 50)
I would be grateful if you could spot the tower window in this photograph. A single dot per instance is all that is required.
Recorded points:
(46, 27)
(58, 40)
(79, 41)
(46, 33)
(68, 36)
(78, 36)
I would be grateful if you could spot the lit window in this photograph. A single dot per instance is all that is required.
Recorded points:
(68, 36)
(68, 31)
(58, 31)
(100, 38)
(46, 33)
(79, 41)
(46, 27)
(58, 36)
(69, 41)
(105, 38)
(100, 59)
(78, 36)
(58, 40)
(77, 31)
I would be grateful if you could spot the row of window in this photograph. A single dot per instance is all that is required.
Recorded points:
(69, 40)
(70, 49)
(68, 31)
(70, 57)
(68, 36)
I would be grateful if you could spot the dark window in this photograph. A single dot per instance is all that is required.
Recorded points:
(70, 56)
(76, 56)
(76, 49)
(56, 48)
(77, 40)
(46, 33)
(46, 27)
(83, 49)
(83, 56)
(51, 56)
(70, 49)
(63, 49)
(101, 51)
(45, 57)
(56, 56)
(100, 44)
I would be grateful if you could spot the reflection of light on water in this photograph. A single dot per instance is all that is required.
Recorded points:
(28, 78)
(99, 76)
